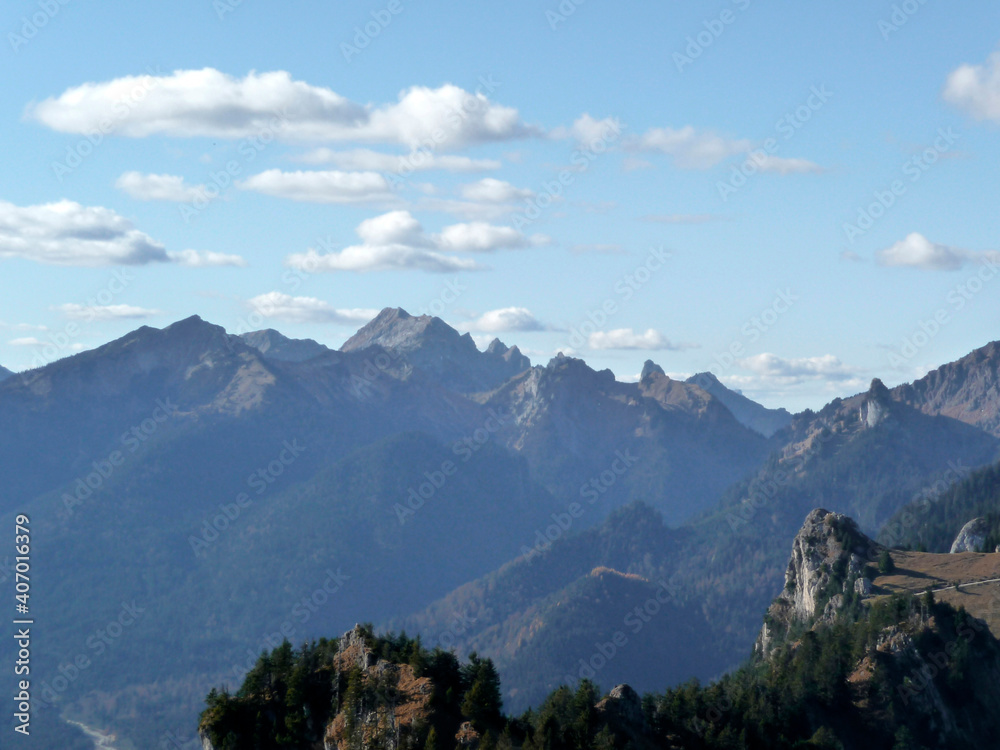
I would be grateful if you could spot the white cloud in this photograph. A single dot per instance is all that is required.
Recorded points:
(587, 130)
(106, 312)
(322, 187)
(208, 259)
(485, 200)
(916, 251)
(479, 237)
(419, 161)
(66, 233)
(976, 89)
(506, 319)
(32, 341)
(689, 148)
(626, 338)
(490, 190)
(307, 310)
(158, 187)
(209, 103)
(396, 240)
(791, 371)
(783, 166)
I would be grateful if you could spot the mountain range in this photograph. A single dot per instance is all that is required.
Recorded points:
(237, 490)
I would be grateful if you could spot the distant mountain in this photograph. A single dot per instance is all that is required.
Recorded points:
(234, 491)
(274, 345)
(967, 390)
(226, 483)
(587, 436)
(437, 350)
(540, 616)
(4, 374)
(755, 416)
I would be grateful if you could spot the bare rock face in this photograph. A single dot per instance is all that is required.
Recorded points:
(429, 345)
(627, 703)
(972, 537)
(373, 722)
(826, 561)
(875, 408)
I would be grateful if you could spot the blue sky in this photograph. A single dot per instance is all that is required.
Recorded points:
(702, 185)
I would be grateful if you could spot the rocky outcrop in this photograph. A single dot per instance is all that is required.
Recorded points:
(749, 413)
(972, 537)
(650, 368)
(875, 407)
(828, 556)
(390, 700)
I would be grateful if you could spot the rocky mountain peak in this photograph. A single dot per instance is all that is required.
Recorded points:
(427, 344)
(649, 369)
(967, 389)
(275, 345)
(4, 373)
(394, 329)
(828, 556)
(497, 347)
(749, 413)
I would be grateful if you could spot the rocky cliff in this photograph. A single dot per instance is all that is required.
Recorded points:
(827, 564)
